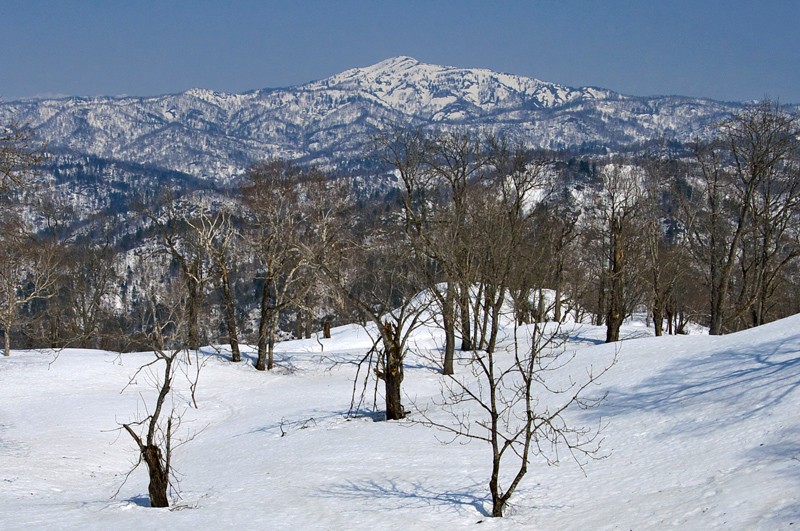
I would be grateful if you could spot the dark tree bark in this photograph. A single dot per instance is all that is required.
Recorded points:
(658, 319)
(157, 462)
(616, 302)
(265, 358)
(449, 323)
(195, 296)
(159, 477)
(393, 375)
(464, 305)
(299, 323)
(230, 317)
(601, 300)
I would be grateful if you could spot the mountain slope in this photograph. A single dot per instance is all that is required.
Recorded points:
(216, 135)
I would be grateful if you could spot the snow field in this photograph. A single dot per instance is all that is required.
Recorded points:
(701, 433)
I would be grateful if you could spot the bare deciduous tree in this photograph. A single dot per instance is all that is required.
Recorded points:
(278, 196)
(27, 273)
(25, 268)
(616, 206)
(164, 324)
(515, 398)
(743, 202)
(664, 254)
(178, 239)
(218, 237)
(20, 155)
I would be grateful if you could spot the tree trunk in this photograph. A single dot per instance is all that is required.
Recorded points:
(263, 325)
(616, 302)
(601, 300)
(680, 329)
(449, 322)
(309, 320)
(393, 378)
(7, 340)
(159, 477)
(449, 344)
(194, 308)
(658, 319)
(230, 317)
(557, 306)
(715, 323)
(494, 488)
(299, 323)
(326, 329)
(495, 320)
(273, 325)
(54, 339)
(541, 309)
(476, 315)
(487, 304)
(466, 333)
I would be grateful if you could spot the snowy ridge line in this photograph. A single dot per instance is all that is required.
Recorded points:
(215, 135)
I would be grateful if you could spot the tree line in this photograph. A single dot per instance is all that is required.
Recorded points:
(706, 234)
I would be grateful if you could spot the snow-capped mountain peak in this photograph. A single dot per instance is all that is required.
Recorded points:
(446, 93)
(216, 135)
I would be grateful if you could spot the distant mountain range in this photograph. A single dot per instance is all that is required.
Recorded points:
(213, 135)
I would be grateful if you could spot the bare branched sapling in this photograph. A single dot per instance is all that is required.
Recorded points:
(516, 399)
(155, 434)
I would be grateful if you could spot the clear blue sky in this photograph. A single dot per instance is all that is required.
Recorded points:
(729, 50)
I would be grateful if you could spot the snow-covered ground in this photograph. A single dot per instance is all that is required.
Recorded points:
(702, 433)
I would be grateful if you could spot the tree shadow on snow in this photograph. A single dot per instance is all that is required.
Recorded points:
(140, 500)
(282, 360)
(748, 379)
(785, 449)
(331, 419)
(408, 494)
(582, 336)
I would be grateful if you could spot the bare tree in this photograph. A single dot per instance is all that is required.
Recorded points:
(616, 206)
(171, 220)
(743, 200)
(25, 269)
(456, 162)
(511, 384)
(764, 143)
(377, 276)
(165, 330)
(664, 251)
(27, 274)
(502, 227)
(278, 197)
(20, 155)
(558, 227)
(520, 397)
(370, 269)
(218, 237)
(437, 173)
(409, 152)
(79, 302)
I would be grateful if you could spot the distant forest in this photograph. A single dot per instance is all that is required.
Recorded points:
(93, 253)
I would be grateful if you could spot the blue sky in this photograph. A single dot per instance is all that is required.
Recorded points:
(728, 50)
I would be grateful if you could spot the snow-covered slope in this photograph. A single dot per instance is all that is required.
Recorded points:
(447, 93)
(215, 135)
(702, 434)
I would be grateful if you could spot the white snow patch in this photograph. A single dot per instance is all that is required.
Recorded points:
(702, 433)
